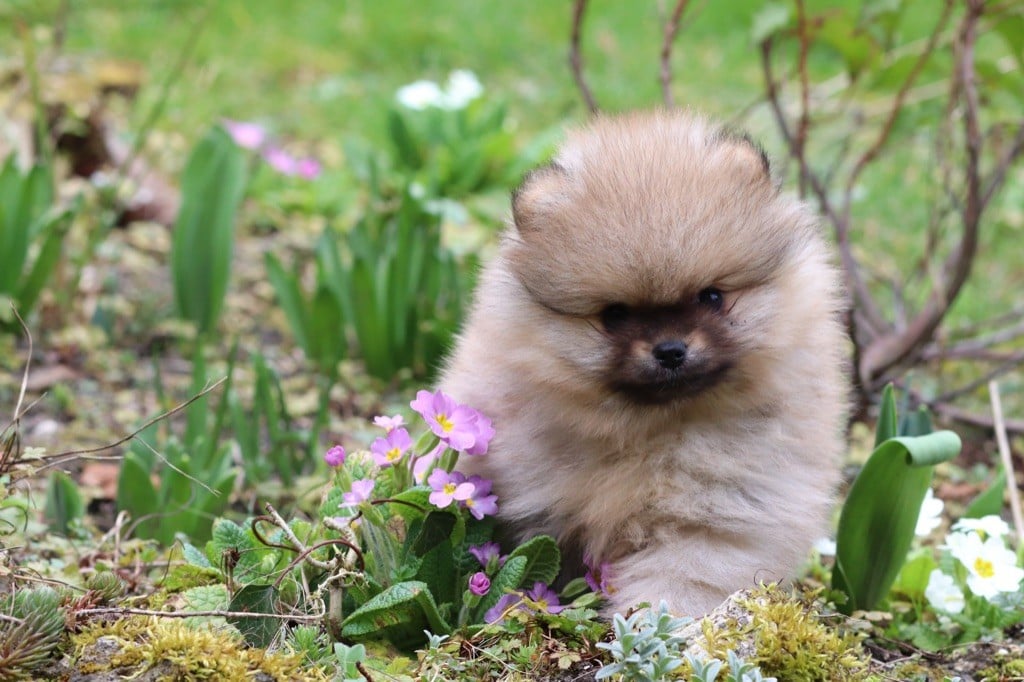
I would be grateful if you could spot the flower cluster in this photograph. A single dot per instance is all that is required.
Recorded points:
(979, 546)
(539, 598)
(462, 88)
(254, 136)
(456, 429)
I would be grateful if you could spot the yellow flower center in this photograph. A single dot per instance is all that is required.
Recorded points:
(449, 488)
(984, 568)
(393, 454)
(542, 603)
(445, 422)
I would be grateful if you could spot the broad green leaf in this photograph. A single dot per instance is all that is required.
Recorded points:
(206, 598)
(135, 491)
(258, 632)
(437, 570)
(878, 519)
(436, 529)
(543, 560)
(289, 297)
(888, 424)
(402, 139)
(990, 501)
(211, 190)
(194, 555)
(64, 502)
(913, 577)
(407, 604)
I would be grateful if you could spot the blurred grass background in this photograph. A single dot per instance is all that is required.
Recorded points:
(322, 71)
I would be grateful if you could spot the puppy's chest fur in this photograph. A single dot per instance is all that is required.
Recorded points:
(609, 498)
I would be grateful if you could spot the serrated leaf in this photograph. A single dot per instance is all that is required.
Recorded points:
(543, 560)
(401, 607)
(194, 555)
(206, 598)
(258, 632)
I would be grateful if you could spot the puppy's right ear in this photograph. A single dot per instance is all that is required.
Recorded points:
(540, 192)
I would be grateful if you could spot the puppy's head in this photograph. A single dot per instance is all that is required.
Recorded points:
(663, 257)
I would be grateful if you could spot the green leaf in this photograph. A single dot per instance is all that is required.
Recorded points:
(289, 297)
(913, 577)
(888, 424)
(403, 141)
(194, 555)
(46, 260)
(259, 632)
(877, 523)
(64, 502)
(397, 612)
(773, 18)
(436, 528)
(543, 560)
(206, 598)
(135, 491)
(437, 570)
(212, 186)
(990, 501)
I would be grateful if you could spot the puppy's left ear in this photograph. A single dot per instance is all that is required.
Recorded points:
(749, 158)
(540, 192)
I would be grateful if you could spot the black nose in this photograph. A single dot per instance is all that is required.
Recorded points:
(670, 354)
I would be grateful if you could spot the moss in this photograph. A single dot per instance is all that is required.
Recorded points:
(788, 638)
(138, 644)
(1007, 669)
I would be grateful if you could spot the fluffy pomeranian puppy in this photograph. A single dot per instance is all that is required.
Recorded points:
(659, 346)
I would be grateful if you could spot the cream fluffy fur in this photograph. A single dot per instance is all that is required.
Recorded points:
(695, 498)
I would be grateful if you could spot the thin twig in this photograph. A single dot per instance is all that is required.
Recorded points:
(1003, 165)
(61, 457)
(804, 121)
(1004, 454)
(671, 30)
(897, 104)
(579, 9)
(215, 613)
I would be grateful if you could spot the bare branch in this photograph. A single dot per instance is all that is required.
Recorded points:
(1007, 366)
(579, 9)
(1003, 165)
(897, 104)
(890, 351)
(804, 121)
(671, 29)
(867, 320)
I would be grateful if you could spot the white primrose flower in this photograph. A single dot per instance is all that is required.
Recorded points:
(462, 88)
(991, 567)
(825, 546)
(990, 526)
(420, 95)
(931, 514)
(943, 593)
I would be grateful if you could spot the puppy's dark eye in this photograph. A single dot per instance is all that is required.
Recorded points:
(712, 298)
(614, 315)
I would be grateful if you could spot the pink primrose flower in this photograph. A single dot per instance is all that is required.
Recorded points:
(481, 503)
(448, 488)
(281, 161)
(545, 597)
(246, 134)
(360, 493)
(335, 456)
(391, 448)
(479, 583)
(461, 427)
(488, 552)
(388, 423)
